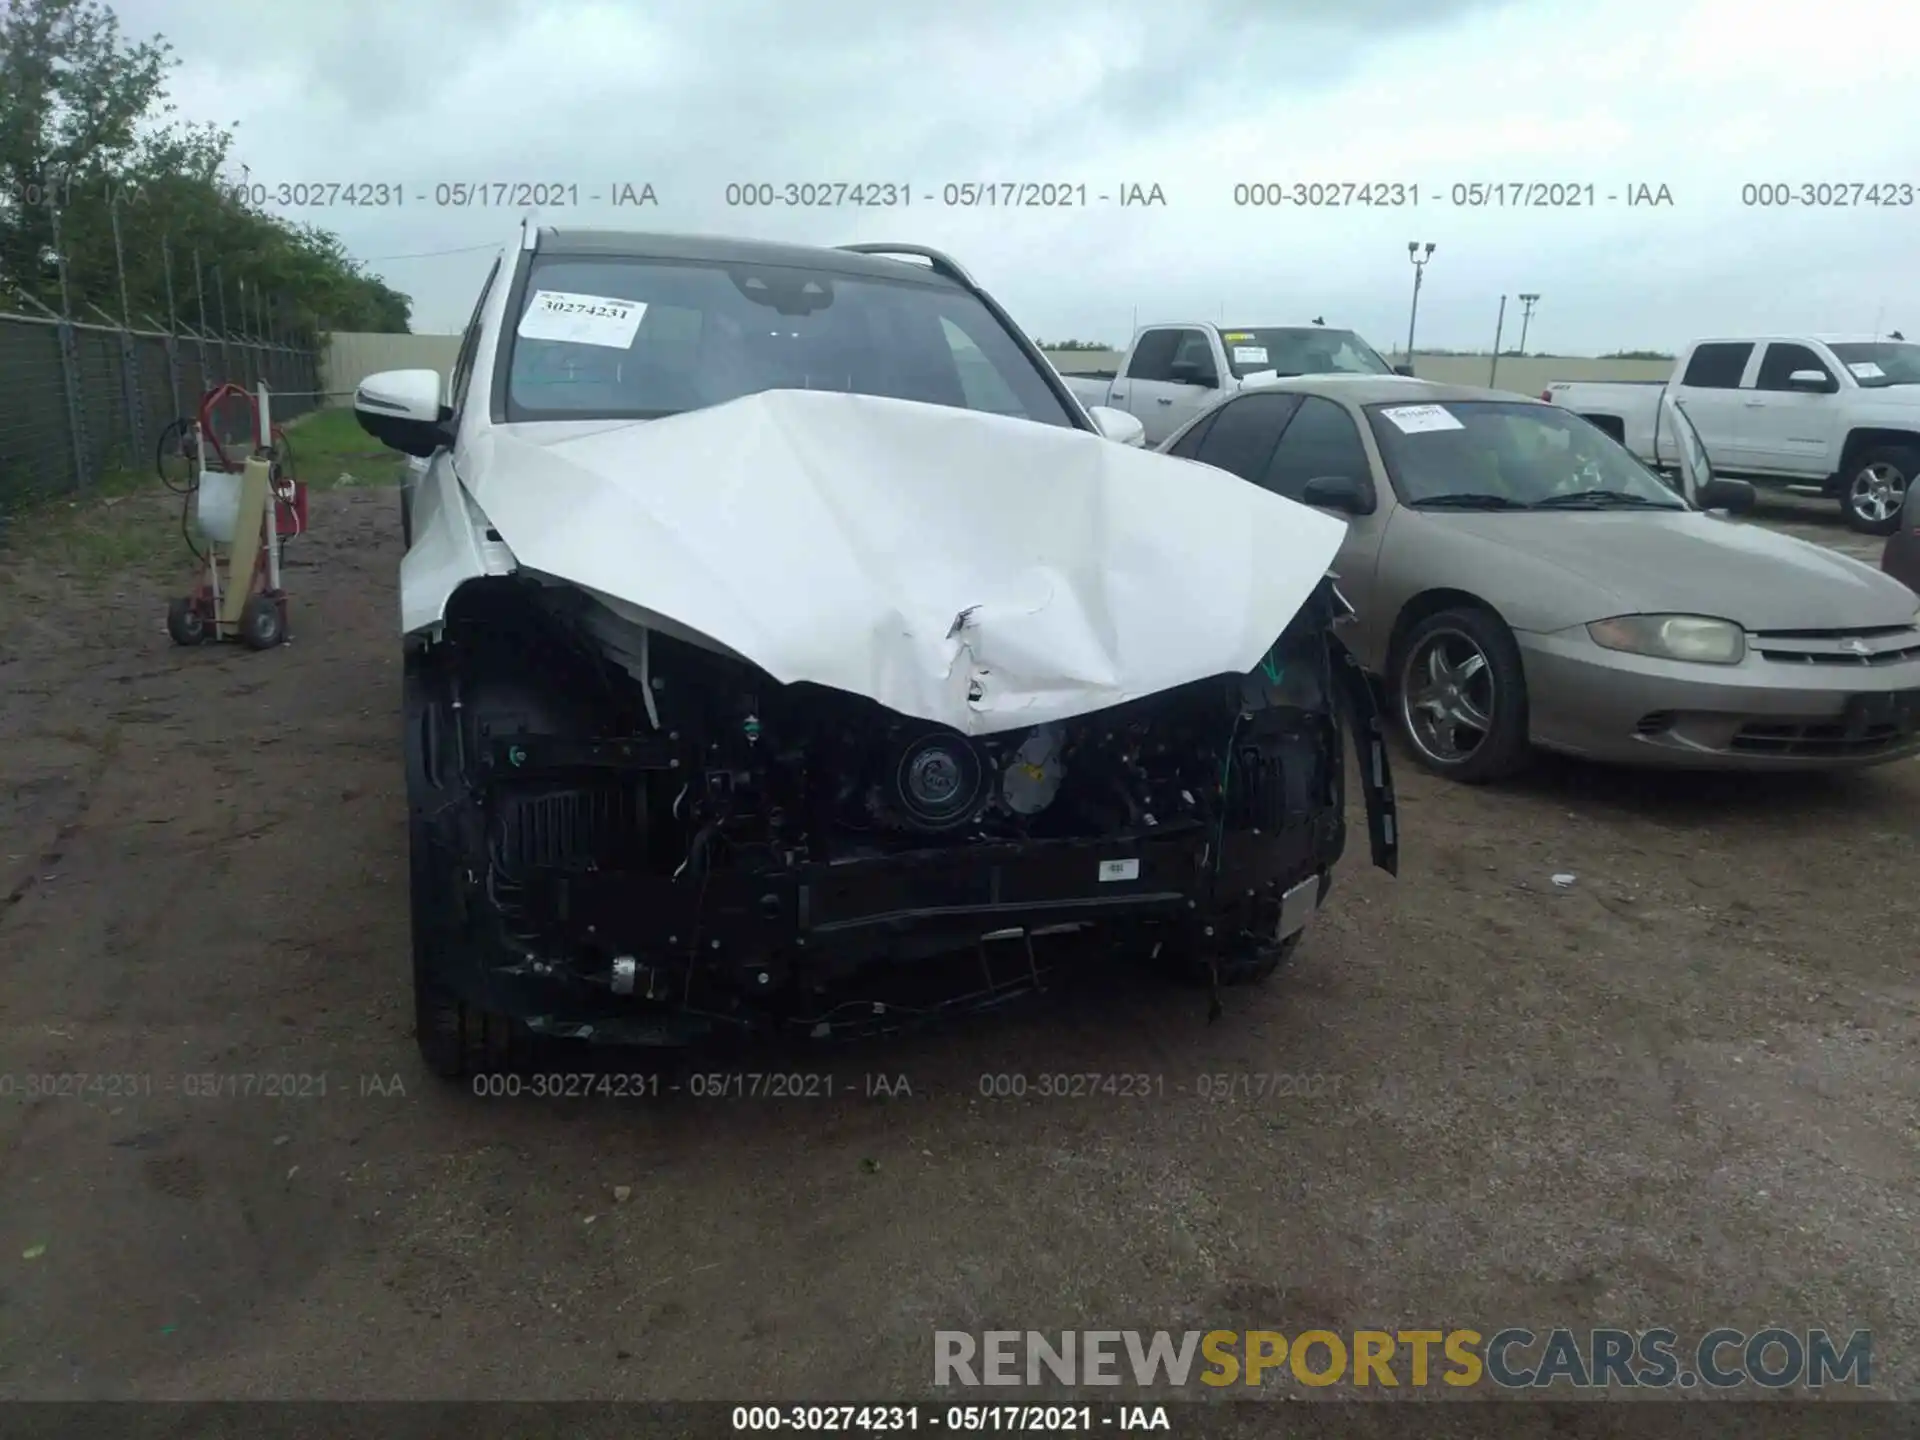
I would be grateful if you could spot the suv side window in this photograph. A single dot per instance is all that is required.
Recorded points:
(470, 345)
(1718, 366)
(1244, 432)
(1153, 356)
(1782, 360)
(1322, 440)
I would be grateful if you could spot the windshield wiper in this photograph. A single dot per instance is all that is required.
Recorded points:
(1467, 501)
(1602, 500)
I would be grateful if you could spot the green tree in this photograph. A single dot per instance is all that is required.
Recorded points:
(88, 135)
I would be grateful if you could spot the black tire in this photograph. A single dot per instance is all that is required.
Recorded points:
(260, 627)
(1884, 473)
(175, 451)
(1497, 690)
(456, 1039)
(1245, 962)
(185, 624)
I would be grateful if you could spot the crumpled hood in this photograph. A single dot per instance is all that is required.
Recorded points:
(973, 570)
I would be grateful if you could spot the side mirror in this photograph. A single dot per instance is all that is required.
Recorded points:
(1403, 369)
(402, 409)
(1736, 497)
(1117, 425)
(1189, 374)
(1817, 381)
(1337, 492)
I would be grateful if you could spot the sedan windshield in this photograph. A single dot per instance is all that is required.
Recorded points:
(1299, 350)
(1509, 455)
(1881, 364)
(609, 337)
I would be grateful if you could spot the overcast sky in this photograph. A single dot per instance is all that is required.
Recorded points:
(1193, 97)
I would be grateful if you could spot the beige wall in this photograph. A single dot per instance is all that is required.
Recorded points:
(352, 357)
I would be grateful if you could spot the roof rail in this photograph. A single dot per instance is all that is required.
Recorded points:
(943, 263)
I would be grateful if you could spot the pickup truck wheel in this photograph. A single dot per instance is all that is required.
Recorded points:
(1460, 696)
(1876, 487)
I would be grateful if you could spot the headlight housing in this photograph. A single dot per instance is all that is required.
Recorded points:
(1698, 638)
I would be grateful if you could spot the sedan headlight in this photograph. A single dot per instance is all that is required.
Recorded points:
(1673, 637)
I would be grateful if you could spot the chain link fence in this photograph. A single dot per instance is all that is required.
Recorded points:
(78, 400)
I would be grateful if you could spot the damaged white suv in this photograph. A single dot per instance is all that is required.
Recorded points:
(779, 627)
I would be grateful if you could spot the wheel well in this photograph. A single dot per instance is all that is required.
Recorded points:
(1429, 602)
(1611, 425)
(1861, 440)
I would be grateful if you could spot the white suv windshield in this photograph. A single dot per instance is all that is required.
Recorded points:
(1299, 350)
(606, 337)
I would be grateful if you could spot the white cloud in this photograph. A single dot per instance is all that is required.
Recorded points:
(1701, 97)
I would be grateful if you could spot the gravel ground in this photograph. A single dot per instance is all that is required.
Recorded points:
(1678, 1091)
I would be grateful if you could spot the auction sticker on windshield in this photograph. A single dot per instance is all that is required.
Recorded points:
(581, 319)
(1249, 354)
(1866, 370)
(1414, 419)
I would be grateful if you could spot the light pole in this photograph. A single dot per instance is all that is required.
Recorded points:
(1499, 324)
(1419, 266)
(1526, 314)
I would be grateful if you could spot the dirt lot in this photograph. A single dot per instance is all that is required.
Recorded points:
(1679, 1091)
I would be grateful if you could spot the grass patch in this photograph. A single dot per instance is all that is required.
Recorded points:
(127, 526)
(331, 452)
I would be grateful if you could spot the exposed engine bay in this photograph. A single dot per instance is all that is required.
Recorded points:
(649, 833)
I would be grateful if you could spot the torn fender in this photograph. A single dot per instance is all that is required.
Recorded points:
(973, 570)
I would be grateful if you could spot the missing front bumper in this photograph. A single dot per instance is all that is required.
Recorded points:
(784, 945)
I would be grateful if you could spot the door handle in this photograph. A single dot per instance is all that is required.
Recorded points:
(1756, 404)
(1116, 394)
(1164, 400)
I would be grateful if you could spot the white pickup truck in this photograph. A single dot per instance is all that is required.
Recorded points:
(1171, 373)
(1838, 413)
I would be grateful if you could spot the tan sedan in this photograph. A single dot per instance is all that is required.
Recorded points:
(1521, 580)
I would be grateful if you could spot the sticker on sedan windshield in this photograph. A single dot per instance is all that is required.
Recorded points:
(581, 319)
(1866, 370)
(1249, 354)
(1413, 419)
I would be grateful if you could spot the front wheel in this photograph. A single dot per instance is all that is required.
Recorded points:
(260, 627)
(1460, 696)
(1876, 487)
(186, 623)
(456, 1039)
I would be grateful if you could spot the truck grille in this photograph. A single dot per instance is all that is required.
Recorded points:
(1883, 645)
